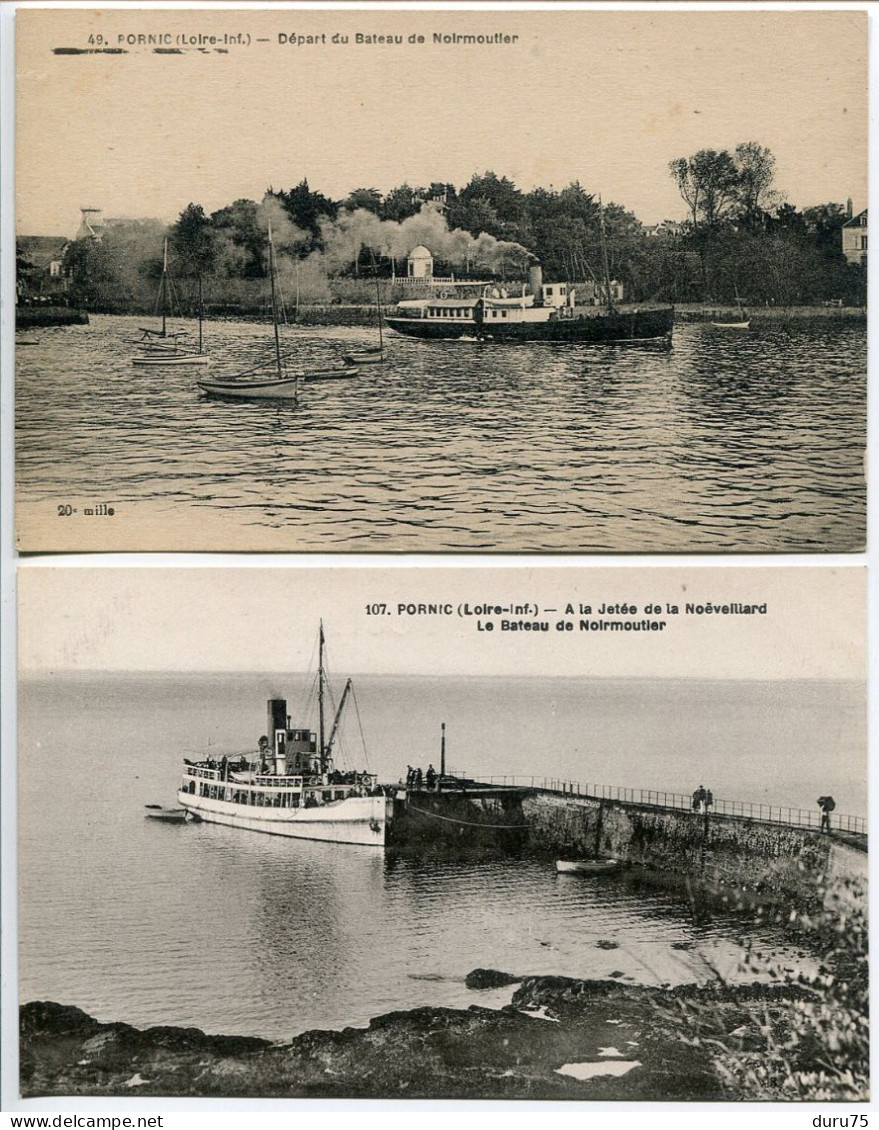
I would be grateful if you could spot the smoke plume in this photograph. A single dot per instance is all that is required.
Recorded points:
(345, 237)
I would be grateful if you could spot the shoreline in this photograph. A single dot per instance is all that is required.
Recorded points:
(39, 317)
(707, 311)
(559, 1038)
(340, 314)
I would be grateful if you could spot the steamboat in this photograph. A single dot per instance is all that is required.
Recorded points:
(289, 785)
(548, 313)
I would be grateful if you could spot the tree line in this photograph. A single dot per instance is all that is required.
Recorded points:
(741, 239)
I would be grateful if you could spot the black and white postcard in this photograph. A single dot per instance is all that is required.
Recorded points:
(451, 281)
(578, 834)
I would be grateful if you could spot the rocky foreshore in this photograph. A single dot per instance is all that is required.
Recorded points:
(558, 1039)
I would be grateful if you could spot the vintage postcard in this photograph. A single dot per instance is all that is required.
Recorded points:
(343, 280)
(575, 833)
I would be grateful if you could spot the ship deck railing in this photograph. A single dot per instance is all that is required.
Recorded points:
(659, 798)
(278, 782)
(201, 771)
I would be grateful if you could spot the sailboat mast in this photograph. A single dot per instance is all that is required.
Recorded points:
(604, 256)
(200, 315)
(320, 698)
(278, 349)
(739, 302)
(164, 286)
(378, 302)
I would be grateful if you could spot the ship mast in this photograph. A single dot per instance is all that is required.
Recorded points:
(337, 720)
(275, 323)
(610, 306)
(378, 297)
(164, 287)
(378, 300)
(320, 700)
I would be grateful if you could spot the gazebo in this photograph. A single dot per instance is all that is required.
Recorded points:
(419, 264)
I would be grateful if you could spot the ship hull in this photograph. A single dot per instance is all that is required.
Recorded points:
(274, 388)
(619, 326)
(170, 360)
(355, 820)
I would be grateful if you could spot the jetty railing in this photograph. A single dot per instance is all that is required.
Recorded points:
(659, 798)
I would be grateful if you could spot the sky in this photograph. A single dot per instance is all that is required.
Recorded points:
(266, 619)
(606, 98)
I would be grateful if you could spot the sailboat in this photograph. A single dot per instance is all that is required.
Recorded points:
(163, 338)
(372, 355)
(288, 785)
(744, 321)
(280, 385)
(175, 353)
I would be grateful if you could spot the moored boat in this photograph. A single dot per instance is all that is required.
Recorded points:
(289, 786)
(166, 348)
(364, 356)
(371, 354)
(744, 321)
(167, 815)
(256, 383)
(170, 358)
(158, 341)
(271, 388)
(587, 866)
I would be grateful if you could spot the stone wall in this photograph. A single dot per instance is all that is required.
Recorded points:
(787, 864)
(481, 824)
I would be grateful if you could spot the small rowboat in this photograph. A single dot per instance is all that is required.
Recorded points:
(168, 815)
(365, 357)
(166, 358)
(271, 388)
(742, 324)
(587, 866)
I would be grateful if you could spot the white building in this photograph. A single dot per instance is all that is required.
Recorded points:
(419, 264)
(854, 238)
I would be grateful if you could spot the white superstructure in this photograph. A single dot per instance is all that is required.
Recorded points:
(289, 786)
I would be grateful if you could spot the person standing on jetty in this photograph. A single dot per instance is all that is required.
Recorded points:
(699, 798)
(827, 805)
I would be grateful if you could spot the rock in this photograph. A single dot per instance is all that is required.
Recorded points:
(489, 979)
(426, 1053)
(59, 1019)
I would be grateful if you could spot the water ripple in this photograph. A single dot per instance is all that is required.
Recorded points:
(749, 442)
(234, 931)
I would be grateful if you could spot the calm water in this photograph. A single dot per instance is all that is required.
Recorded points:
(728, 442)
(238, 932)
